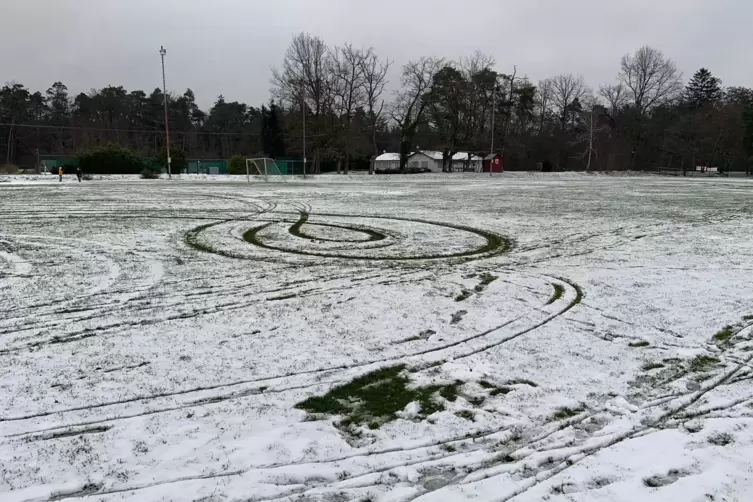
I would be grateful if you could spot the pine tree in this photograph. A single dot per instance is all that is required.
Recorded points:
(703, 89)
(59, 104)
(272, 138)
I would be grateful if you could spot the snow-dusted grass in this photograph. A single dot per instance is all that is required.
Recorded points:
(523, 337)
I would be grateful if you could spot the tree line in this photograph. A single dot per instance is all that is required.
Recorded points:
(340, 100)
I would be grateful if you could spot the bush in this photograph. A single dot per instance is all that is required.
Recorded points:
(178, 160)
(150, 173)
(237, 165)
(8, 169)
(111, 159)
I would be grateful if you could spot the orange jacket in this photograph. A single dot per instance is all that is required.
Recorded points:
(60, 171)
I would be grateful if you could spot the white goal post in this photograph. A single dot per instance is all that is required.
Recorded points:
(262, 166)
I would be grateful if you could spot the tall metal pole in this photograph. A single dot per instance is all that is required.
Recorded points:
(162, 52)
(494, 105)
(303, 113)
(591, 140)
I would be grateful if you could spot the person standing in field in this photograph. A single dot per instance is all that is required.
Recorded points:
(79, 174)
(60, 173)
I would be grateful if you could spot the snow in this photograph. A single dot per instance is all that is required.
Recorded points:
(150, 353)
(387, 156)
(439, 155)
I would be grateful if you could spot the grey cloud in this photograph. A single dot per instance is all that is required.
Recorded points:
(228, 46)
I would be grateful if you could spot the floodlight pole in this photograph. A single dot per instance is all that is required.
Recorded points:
(494, 105)
(162, 53)
(303, 113)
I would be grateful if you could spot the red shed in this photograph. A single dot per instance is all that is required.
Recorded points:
(493, 163)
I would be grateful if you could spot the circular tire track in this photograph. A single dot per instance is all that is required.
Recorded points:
(494, 244)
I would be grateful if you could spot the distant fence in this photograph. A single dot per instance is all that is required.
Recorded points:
(207, 166)
(700, 171)
(195, 166)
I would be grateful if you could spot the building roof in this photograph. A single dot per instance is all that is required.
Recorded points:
(389, 157)
(439, 156)
(430, 153)
(491, 156)
(464, 156)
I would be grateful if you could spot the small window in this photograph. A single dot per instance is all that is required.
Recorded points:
(425, 164)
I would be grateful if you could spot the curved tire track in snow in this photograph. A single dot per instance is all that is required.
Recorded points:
(417, 359)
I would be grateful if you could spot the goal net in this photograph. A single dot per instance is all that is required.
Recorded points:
(263, 166)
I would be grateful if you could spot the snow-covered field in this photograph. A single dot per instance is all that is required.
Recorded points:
(523, 337)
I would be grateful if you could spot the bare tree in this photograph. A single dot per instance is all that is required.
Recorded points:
(347, 70)
(651, 78)
(566, 89)
(408, 108)
(508, 118)
(446, 107)
(590, 117)
(616, 96)
(374, 73)
(303, 79)
(544, 100)
(478, 72)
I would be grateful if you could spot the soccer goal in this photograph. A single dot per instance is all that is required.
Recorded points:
(263, 166)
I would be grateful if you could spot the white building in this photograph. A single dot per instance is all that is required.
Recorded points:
(387, 161)
(426, 159)
(433, 160)
(462, 161)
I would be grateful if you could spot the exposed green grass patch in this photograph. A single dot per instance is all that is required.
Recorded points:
(486, 278)
(721, 439)
(191, 237)
(450, 392)
(412, 339)
(464, 295)
(500, 391)
(642, 343)
(282, 297)
(702, 363)
(424, 335)
(476, 400)
(521, 381)
(566, 412)
(458, 316)
(495, 390)
(375, 398)
(466, 414)
(724, 335)
(652, 366)
(558, 292)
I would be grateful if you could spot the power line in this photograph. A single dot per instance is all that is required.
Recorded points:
(114, 129)
(141, 131)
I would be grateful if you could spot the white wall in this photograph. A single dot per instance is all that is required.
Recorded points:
(458, 165)
(424, 161)
(387, 164)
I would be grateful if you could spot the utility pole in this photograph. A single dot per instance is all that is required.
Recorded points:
(509, 112)
(162, 52)
(303, 114)
(494, 106)
(591, 139)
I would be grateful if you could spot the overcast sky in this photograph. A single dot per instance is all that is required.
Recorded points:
(228, 46)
